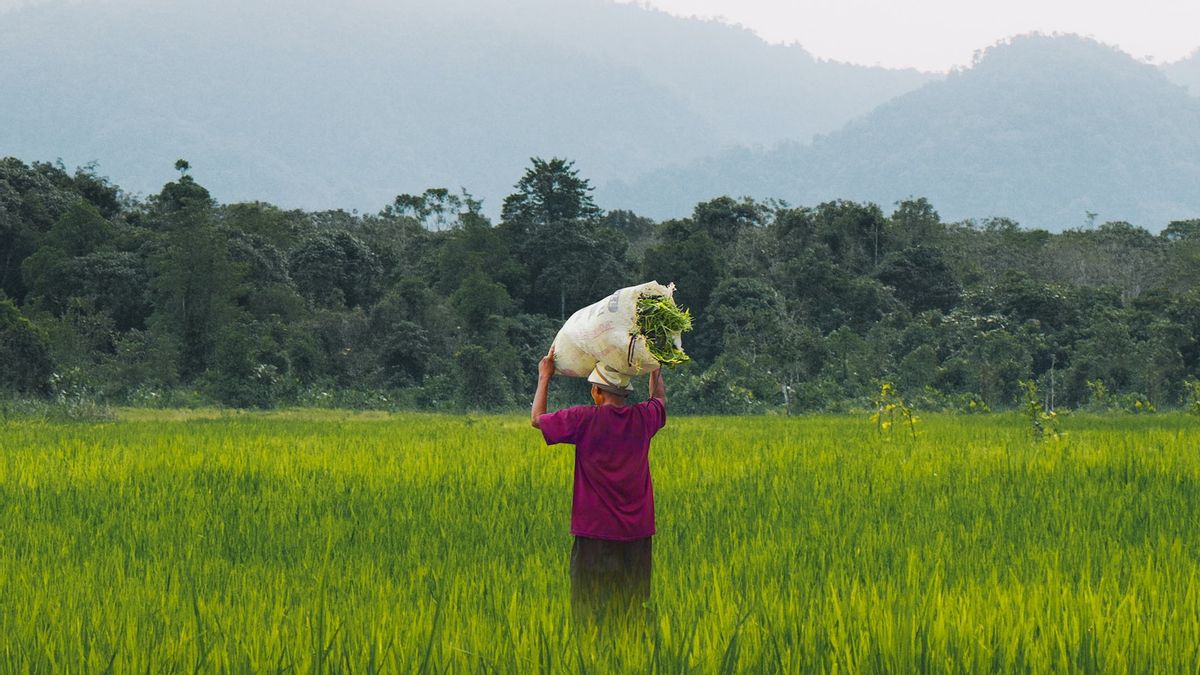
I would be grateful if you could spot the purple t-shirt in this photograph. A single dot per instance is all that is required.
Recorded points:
(613, 497)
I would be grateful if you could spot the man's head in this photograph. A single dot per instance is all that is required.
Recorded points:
(602, 397)
(608, 386)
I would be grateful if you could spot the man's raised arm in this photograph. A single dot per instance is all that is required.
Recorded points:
(658, 390)
(545, 372)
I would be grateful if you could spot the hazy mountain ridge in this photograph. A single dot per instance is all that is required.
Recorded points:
(751, 92)
(1042, 129)
(1186, 72)
(311, 105)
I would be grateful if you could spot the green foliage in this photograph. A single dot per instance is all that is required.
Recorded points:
(715, 391)
(892, 412)
(1192, 396)
(195, 284)
(481, 384)
(1099, 398)
(1137, 404)
(80, 230)
(974, 405)
(24, 352)
(551, 191)
(335, 269)
(921, 278)
(176, 298)
(247, 370)
(480, 302)
(658, 320)
(1042, 423)
(73, 400)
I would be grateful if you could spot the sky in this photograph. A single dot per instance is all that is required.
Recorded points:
(938, 35)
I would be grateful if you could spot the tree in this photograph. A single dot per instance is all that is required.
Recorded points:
(184, 194)
(1102, 354)
(98, 191)
(480, 302)
(195, 284)
(23, 351)
(335, 269)
(80, 230)
(1183, 253)
(724, 219)
(435, 209)
(688, 256)
(552, 227)
(405, 354)
(855, 234)
(1182, 230)
(32, 198)
(915, 223)
(750, 318)
(830, 297)
(247, 367)
(550, 192)
(409, 300)
(472, 247)
(920, 278)
(116, 282)
(849, 361)
(481, 385)
(761, 345)
(638, 230)
(280, 228)
(990, 363)
(1160, 360)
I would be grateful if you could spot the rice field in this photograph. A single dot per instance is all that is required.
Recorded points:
(315, 541)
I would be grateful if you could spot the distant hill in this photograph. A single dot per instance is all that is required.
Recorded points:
(1040, 129)
(318, 105)
(1186, 72)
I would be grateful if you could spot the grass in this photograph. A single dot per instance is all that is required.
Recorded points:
(319, 541)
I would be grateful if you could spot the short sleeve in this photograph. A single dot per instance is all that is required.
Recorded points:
(655, 414)
(562, 426)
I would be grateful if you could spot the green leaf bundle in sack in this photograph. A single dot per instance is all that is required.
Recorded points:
(660, 321)
(630, 332)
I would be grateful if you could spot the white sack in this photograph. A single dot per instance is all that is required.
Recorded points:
(602, 332)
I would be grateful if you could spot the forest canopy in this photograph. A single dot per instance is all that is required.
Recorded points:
(175, 299)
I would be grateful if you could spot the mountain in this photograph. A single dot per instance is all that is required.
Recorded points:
(1186, 72)
(314, 104)
(1040, 129)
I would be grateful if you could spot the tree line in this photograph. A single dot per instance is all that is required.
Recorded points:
(175, 299)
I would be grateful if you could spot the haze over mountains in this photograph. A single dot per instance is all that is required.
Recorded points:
(320, 104)
(1186, 72)
(325, 105)
(1042, 130)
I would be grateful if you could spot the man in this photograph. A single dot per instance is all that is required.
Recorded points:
(612, 507)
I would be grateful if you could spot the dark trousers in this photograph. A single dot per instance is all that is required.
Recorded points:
(610, 577)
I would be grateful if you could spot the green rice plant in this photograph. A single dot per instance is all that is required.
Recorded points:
(659, 320)
(319, 541)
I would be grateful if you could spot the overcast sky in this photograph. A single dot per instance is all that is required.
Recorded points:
(941, 34)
